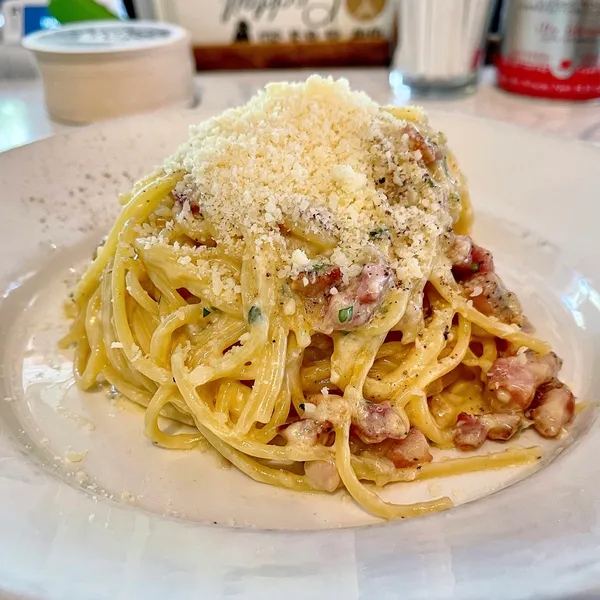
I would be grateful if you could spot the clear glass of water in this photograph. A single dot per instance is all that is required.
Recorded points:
(441, 46)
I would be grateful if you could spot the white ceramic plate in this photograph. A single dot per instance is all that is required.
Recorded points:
(133, 521)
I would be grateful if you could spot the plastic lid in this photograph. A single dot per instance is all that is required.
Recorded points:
(98, 37)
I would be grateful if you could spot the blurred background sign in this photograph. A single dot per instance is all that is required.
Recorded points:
(294, 33)
(227, 21)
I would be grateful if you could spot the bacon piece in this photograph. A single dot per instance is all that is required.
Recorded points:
(411, 451)
(305, 433)
(356, 304)
(430, 151)
(371, 282)
(501, 426)
(490, 297)
(468, 259)
(322, 474)
(472, 430)
(373, 423)
(317, 281)
(473, 267)
(513, 380)
(483, 259)
(554, 407)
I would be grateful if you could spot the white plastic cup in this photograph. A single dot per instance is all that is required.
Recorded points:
(100, 70)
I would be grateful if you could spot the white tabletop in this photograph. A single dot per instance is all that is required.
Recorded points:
(23, 118)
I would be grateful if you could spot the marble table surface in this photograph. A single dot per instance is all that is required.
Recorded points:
(23, 118)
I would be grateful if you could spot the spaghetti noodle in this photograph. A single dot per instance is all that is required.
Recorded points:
(297, 285)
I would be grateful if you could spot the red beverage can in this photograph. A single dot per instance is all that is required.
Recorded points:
(551, 49)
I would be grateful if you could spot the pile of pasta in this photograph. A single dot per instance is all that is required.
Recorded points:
(234, 338)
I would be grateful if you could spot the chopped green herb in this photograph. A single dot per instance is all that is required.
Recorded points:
(205, 312)
(475, 267)
(432, 183)
(345, 314)
(344, 333)
(318, 267)
(379, 233)
(254, 314)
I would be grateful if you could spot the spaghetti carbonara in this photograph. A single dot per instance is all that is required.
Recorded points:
(297, 284)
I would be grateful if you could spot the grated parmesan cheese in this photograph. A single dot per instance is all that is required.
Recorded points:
(309, 409)
(289, 308)
(521, 359)
(185, 211)
(299, 259)
(310, 158)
